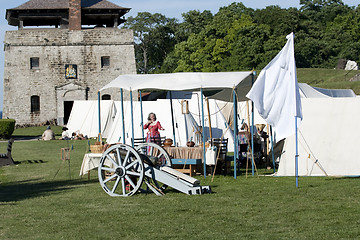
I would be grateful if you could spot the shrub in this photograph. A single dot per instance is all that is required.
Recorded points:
(7, 127)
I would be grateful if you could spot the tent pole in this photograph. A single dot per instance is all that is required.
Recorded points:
(99, 116)
(203, 130)
(142, 116)
(172, 118)
(122, 114)
(132, 119)
(235, 132)
(252, 130)
(272, 148)
(248, 140)
(208, 109)
(296, 156)
(267, 146)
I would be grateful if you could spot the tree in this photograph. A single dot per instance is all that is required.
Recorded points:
(193, 22)
(154, 39)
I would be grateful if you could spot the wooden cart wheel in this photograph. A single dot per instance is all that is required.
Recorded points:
(155, 156)
(155, 153)
(121, 171)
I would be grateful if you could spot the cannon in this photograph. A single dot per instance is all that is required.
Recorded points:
(124, 171)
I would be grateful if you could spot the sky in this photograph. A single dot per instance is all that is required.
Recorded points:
(169, 8)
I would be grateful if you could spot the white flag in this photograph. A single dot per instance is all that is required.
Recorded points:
(276, 92)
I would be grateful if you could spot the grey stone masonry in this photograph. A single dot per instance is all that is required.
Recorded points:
(55, 48)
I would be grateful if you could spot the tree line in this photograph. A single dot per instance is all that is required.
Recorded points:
(238, 38)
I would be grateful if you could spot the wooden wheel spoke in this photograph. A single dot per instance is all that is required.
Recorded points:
(130, 181)
(108, 169)
(119, 157)
(115, 185)
(126, 158)
(130, 165)
(110, 178)
(151, 151)
(112, 160)
(123, 186)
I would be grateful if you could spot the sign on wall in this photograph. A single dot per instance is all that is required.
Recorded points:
(70, 71)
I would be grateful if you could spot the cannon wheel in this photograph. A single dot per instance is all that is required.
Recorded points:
(121, 171)
(153, 150)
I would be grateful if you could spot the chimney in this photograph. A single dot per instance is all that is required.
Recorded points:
(74, 14)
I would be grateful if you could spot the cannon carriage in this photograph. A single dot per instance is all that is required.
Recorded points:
(124, 171)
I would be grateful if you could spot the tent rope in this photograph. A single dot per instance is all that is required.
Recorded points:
(198, 115)
(315, 160)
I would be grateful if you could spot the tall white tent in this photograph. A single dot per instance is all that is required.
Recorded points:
(327, 137)
(84, 117)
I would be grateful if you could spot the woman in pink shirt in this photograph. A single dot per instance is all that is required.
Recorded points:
(153, 128)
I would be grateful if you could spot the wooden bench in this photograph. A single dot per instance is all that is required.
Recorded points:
(193, 164)
(6, 158)
(138, 141)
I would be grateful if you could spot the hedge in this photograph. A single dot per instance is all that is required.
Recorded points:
(7, 127)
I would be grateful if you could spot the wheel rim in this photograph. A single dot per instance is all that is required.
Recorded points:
(121, 171)
(153, 150)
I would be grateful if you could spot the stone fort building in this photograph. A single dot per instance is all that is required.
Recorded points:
(63, 50)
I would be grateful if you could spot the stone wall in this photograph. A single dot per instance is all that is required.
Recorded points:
(55, 48)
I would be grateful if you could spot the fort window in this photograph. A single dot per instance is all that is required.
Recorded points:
(105, 61)
(106, 97)
(34, 63)
(35, 103)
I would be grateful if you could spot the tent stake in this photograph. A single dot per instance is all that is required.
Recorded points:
(203, 130)
(122, 114)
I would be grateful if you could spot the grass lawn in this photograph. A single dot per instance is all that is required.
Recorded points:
(33, 205)
(35, 131)
(329, 78)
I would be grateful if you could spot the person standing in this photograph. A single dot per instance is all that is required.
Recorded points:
(153, 126)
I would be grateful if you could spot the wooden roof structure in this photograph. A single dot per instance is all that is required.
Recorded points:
(56, 12)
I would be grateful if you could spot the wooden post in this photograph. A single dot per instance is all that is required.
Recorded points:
(208, 109)
(268, 145)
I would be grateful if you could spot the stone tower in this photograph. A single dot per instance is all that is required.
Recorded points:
(80, 50)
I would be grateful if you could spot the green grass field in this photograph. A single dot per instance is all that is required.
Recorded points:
(33, 205)
(328, 78)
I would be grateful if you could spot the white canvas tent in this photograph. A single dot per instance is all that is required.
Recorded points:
(307, 91)
(218, 85)
(84, 117)
(327, 137)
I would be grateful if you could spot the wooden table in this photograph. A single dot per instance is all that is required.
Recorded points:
(186, 159)
(185, 152)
